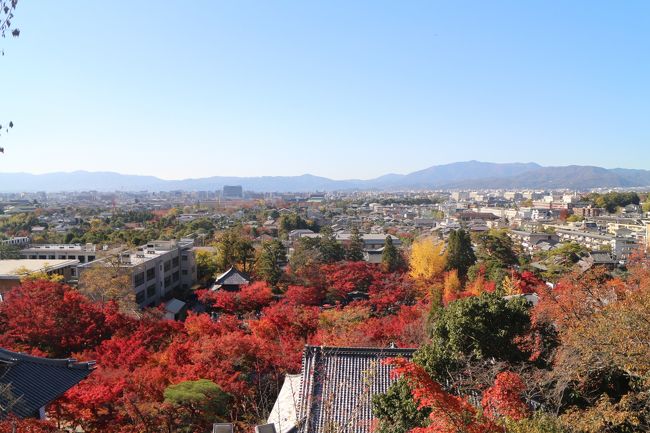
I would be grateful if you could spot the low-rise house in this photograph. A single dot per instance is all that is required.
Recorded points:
(597, 258)
(467, 216)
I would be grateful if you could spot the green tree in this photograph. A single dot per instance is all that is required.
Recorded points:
(293, 221)
(8, 251)
(561, 259)
(496, 245)
(354, 250)
(197, 404)
(396, 410)
(495, 253)
(460, 254)
(475, 328)
(646, 206)
(613, 200)
(235, 250)
(467, 335)
(207, 264)
(269, 261)
(330, 249)
(306, 253)
(391, 260)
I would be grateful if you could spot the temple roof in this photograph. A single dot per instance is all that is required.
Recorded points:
(337, 386)
(36, 381)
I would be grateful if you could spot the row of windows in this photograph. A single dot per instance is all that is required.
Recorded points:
(82, 259)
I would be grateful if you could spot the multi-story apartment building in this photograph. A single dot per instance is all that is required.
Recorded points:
(157, 269)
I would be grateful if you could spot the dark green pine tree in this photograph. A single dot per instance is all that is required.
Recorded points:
(390, 258)
(330, 249)
(354, 251)
(269, 263)
(460, 254)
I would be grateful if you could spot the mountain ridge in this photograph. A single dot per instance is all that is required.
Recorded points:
(458, 175)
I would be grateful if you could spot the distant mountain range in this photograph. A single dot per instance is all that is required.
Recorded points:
(459, 175)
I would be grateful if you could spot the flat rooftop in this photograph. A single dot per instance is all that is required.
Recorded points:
(11, 267)
(61, 247)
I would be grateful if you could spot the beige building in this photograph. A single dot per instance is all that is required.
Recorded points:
(11, 271)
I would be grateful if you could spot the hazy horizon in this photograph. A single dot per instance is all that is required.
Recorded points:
(162, 177)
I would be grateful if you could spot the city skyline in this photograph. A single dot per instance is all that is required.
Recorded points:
(336, 90)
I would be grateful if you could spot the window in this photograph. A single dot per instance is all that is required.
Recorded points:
(168, 281)
(151, 290)
(175, 262)
(139, 297)
(91, 258)
(168, 265)
(82, 259)
(138, 279)
(151, 273)
(184, 272)
(175, 276)
(184, 257)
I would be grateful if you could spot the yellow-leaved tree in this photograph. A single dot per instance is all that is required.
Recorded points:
(427, 261)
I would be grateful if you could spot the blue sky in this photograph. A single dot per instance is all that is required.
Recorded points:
(344, 89)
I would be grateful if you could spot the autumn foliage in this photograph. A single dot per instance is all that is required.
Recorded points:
(504, 398)
(449, 413)
(582, 351)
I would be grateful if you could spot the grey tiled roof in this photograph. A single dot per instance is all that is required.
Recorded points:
(35, 381)
(338, 384)
(232, 277)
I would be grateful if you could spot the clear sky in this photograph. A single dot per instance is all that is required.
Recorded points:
(344, 89)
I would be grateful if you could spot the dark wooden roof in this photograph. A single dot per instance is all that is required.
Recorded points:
(338, 384)
(35, 381)
(232, 277)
